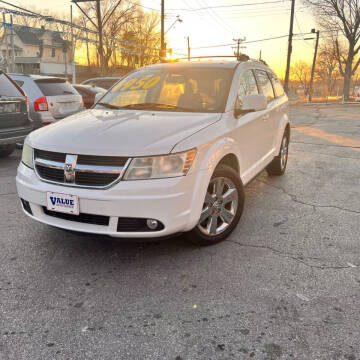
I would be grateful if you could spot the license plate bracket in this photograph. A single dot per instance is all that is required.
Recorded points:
(64, 203)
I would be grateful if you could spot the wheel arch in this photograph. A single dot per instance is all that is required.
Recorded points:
(230, 160)
(283, 127)
(224, 151)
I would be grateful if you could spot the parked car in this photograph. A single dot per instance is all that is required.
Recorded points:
(51, 98)
(15, 123)
(88, 93)
(357, 93)
(167, 150)
(105, 82)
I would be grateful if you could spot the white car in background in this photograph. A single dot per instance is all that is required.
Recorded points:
(50, 98)
(167, 150)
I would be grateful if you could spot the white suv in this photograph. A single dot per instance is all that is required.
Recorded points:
(166, 150)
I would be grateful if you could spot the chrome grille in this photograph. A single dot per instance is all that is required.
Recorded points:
(87, 171)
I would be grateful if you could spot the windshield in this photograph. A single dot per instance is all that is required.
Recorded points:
(195, 89)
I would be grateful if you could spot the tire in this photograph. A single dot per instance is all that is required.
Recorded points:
(6, 150)
(225, 180)
(278, 166)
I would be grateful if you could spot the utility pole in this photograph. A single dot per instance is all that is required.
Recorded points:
(100, 29)
(162, 40)
(238, 47)
(12, 45)
(7, 43)
(188, 46)
(72, 47)
(313, 65)
(98, 26)
(286, 84)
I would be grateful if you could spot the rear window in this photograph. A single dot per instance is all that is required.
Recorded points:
(105, 84)
(265, 84)
(54, 87)
(7, 88)
(279, 90)
(20, 83)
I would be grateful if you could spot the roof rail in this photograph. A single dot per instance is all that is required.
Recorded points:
(260, 61)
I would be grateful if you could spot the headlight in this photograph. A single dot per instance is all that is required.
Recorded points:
(27, 156)
(157, 167)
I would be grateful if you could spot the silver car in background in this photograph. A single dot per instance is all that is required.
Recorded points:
(51, 98)
(105, 82)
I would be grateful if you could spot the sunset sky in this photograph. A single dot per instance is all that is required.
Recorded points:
(220, 26)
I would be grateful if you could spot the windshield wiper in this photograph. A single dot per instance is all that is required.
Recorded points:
(157, 106)
(109, 106)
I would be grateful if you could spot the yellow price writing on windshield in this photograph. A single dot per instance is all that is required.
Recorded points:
(128, 84)
(140, 83)
(145, 83)
(152, 82)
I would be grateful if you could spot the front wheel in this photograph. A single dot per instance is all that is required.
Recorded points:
(222, 208)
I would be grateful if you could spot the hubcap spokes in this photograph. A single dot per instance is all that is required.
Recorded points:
(284, 152)
(219, 208)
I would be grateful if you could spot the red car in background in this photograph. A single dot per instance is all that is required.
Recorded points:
(88, 93)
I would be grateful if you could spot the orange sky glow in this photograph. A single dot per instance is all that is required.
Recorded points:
(219, 26)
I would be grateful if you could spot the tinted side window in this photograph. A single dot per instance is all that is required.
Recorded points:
(265, 84)
(247, 86)
(279, 90)
(7, 88)
(55, 87)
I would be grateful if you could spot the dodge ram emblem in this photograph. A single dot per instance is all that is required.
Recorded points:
(69, 168)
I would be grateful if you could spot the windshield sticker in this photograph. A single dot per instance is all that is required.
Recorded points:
(145, 83)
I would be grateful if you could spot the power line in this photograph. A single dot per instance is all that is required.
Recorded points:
(247, 42)
(208, 7)
(214, 16)
(229, 6)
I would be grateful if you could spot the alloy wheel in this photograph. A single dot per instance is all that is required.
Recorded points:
(284, 152)
(220, 206)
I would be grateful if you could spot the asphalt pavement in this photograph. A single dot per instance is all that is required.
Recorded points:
(285, 285)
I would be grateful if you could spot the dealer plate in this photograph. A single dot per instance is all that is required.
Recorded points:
(64, 203)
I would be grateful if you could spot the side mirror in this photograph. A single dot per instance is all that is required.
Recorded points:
(252, 102)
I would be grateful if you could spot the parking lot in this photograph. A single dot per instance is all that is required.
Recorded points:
(285, 285)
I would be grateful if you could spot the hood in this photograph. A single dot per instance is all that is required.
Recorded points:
(120, 132)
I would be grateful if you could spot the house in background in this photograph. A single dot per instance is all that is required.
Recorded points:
(37, 51)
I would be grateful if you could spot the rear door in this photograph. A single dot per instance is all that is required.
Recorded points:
(280, 105)
(270, 115)
(249, 131)
(63, 100)
(13, 107)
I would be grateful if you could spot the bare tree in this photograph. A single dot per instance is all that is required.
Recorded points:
(327, 70)
(144, 34)
(301, 72)
(116, 14)
(342, 16)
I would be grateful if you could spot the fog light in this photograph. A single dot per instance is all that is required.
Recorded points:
(152, 224)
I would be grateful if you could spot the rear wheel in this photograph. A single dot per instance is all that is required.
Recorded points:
(222, 208)
(6, 150)
(278, 165)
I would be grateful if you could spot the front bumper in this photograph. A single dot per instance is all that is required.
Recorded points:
(176, 202)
